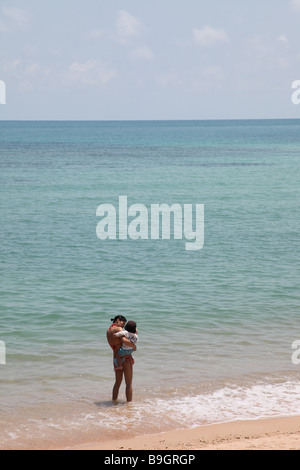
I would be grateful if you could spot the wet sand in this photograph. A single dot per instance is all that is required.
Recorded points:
(263, 434)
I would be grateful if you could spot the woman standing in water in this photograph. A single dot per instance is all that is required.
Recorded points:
(115, 343)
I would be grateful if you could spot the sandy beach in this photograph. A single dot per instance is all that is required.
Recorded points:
(263, 434)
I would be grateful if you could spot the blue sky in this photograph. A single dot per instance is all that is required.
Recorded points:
(138, 59)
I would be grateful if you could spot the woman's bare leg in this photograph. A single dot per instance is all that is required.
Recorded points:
(128, 374)
(118, 381)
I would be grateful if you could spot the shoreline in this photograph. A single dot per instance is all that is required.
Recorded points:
(281, 433)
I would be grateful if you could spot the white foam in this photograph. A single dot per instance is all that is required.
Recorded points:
(232, 403)
(229, 403)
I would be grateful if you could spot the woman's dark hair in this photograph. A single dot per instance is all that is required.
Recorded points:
(118, 317)
(131, 327)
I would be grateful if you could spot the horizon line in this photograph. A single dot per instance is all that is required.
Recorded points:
(151, 120)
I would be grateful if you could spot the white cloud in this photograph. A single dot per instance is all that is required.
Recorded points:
(13, 19)
(128, 26)
(283, 39)
(171, 79)
(83, 68)
(196, 80)
(142, 53)
(92, 72)
(11, 67)
(16, 14)
(265, 54)
(35, 69)
(295, 4)
(3, 27)
(97, 33)
(208, 36)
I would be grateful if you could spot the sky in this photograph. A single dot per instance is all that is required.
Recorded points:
(148, 60)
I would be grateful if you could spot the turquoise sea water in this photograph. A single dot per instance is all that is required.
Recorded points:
(216, 326)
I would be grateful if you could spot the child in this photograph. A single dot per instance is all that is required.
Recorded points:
(129, 332)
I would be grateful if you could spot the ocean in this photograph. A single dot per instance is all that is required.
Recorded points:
(216, 325)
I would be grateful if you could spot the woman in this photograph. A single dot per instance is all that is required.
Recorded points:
(115, 343)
